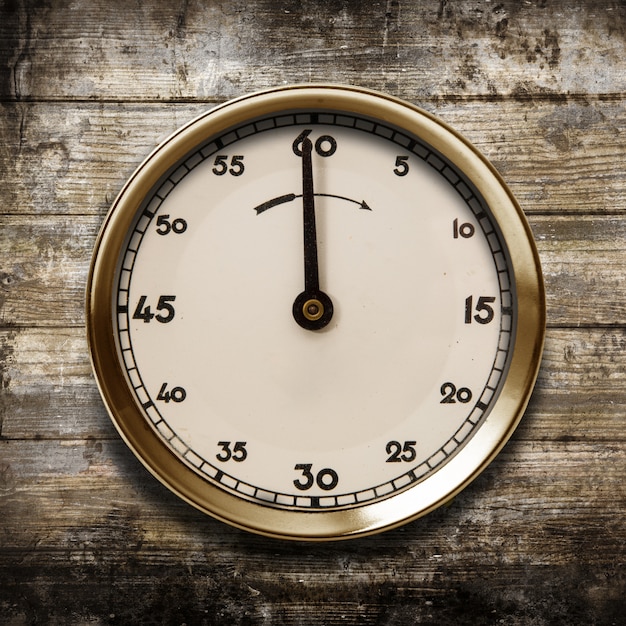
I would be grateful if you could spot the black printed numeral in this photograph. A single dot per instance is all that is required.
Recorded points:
(237, 452)
(175, 394)
(220, 166)
(165, 226)
(164, 307)
(451, 394)
(464, 230)
(484, 311)
(402, 166)
(326, 478)
(399, 452)
(325, 145)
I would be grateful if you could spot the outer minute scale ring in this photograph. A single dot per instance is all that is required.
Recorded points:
(369, 518)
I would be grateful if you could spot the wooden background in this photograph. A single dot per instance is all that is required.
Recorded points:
(87, 89)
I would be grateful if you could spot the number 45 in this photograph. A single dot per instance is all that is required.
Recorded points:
(165, 310)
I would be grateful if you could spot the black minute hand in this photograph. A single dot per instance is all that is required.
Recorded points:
(311, 268)
(312, 309)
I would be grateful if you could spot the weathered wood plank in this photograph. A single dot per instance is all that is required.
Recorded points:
(47, 386)
(44, 264)
(48, 391)
(78, 510)
(87, 90)
(84, 483)
(213, 594)
(216, 50)
(55, 158)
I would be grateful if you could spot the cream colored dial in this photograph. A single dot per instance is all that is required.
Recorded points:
(315, 312)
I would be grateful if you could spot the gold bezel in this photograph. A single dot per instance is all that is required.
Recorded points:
(363, 519)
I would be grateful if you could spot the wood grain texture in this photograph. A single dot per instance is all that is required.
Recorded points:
(74, 158)
(87, 90)
(49, 391)
(581, 256)
(216, 50)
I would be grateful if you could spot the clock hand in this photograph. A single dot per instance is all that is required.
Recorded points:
(311, 273)
(312, 309)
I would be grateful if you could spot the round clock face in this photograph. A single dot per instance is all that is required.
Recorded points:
(315, 313)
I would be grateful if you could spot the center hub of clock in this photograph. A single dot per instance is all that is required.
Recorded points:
(313, 309)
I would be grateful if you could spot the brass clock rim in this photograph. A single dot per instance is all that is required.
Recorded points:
(367, 518)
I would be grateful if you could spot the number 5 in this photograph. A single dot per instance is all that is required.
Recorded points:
(402, 167)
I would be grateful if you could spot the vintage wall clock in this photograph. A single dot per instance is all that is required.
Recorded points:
(315, 312)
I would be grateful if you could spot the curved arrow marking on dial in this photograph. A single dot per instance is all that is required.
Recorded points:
(292, 196)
